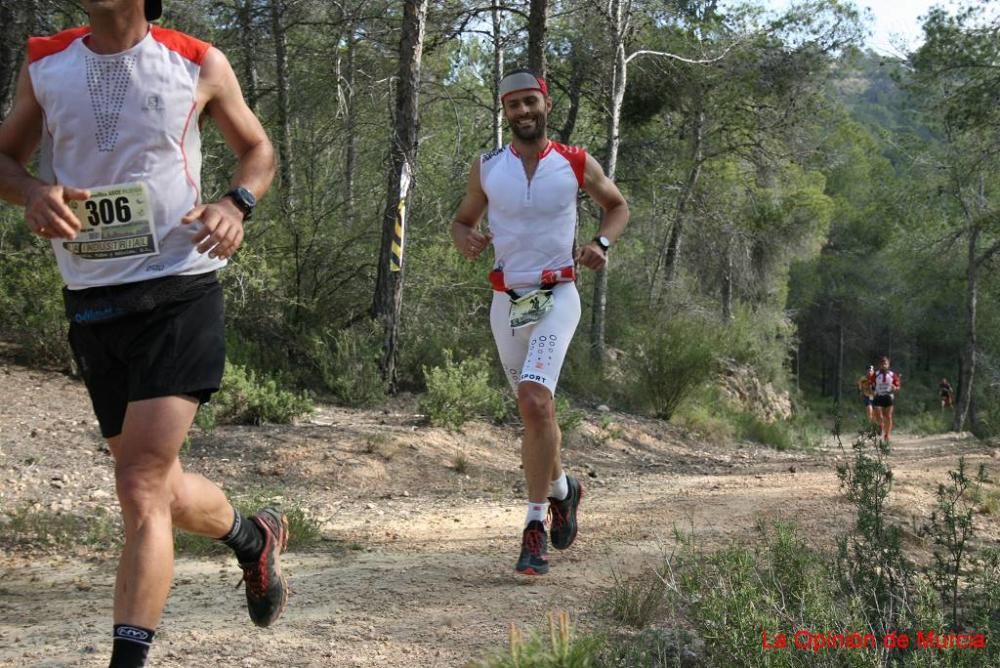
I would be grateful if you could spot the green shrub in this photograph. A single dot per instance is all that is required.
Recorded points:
(777, 435)
(569, 418)
(634, 601)
(457, 393)
(246, 398)
(556, 649)
(37, 527)
(930, 422)
(348, 363)
(32, 306)
(669, 365)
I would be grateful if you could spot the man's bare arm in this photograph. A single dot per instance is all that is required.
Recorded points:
(465, 233)
(222, 221)
(45, 209)
(603, 191)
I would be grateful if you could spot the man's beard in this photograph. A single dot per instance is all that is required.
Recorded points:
(532, 133)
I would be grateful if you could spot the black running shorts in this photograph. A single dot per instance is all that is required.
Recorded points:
(175, 348)
(882, 400)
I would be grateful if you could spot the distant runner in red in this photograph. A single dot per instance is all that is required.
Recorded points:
(887, 384)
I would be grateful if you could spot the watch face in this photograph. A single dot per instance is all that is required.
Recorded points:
(605, 242)
(248, 199)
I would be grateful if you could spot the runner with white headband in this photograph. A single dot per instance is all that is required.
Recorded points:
(528, 191)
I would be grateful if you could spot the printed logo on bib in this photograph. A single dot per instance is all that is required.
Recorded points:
(529, 309)
(117, 221)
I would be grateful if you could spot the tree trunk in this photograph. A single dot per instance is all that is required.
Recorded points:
(670, 254)
(969, 354)
(285, 183)
(536, 36)
(248, 46)
(727, 282)
(497, 16)
(598, 321)
(388, 301)
(350, 125)
(11, 48)
(839, 375)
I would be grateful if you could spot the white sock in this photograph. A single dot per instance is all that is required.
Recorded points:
(560, 488)
(536, 511)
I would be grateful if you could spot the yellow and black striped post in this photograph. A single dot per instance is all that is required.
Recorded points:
(399, 234)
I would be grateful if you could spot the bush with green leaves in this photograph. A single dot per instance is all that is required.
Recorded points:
(459, 392)
(669, 364)
(31, 303)
(248, 398)
(558, 648)
(348, 364)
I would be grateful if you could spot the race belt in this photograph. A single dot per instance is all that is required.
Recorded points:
(547, 279)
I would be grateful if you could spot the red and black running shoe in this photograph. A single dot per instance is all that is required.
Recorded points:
(534, 559)
(562, 515)
(267, 589)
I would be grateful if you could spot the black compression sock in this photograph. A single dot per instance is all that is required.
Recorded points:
(245, 537)
(131, 644)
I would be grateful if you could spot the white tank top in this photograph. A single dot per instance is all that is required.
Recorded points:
(533, 223)
(124, 118)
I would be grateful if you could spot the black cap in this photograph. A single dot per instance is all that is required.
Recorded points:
(154, 9)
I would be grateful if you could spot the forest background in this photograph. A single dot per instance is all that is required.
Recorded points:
(799, 205)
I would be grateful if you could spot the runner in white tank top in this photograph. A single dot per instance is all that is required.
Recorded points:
(116, 109)
(528, 192)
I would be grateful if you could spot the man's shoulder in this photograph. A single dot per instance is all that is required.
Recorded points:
(47, 45)
(491, 155)
(181, 43)
(569, 149)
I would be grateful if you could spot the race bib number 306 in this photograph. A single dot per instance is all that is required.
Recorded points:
(116, 222)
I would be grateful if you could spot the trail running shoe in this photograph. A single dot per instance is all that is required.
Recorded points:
(562, 515)
(267, 589)
(534, 559)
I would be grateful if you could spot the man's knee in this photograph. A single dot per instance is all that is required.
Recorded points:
(535, 403)
(142, 491)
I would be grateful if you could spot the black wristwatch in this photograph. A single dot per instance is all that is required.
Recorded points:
(603, 242)
(243, 199)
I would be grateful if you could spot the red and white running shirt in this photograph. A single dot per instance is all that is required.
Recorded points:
(124, 118)
(533, 222)
(886, 382)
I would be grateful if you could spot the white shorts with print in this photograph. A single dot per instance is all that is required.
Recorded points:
(536, 352)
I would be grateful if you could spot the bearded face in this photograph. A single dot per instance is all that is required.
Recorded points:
(526, 113)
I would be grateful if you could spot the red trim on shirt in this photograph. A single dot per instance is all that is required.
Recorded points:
(190, 47)
(576, 156)
(40, 47)
(541, 154)
(187, 171)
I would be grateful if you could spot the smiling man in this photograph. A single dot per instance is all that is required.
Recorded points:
(115, 108)
(528, 192)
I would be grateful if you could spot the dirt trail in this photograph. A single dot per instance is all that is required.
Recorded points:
(417, 566)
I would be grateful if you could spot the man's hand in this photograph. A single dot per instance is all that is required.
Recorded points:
(221, 230)
(591, 256)
(474, 243)
(46, 212)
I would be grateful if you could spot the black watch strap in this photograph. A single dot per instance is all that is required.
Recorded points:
(243, 199)
(603, 242)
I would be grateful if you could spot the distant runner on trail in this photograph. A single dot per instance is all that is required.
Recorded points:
(887, 383)
(866, 388)
(528, 190)
(117, 107)
(947, 394)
